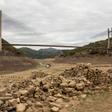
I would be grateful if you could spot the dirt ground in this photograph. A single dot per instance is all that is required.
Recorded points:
(87, 59)
(9, 64)
(97, 103)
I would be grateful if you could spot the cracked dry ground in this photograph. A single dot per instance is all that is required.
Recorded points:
(57, 93)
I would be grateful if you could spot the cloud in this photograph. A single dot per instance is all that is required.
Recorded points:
(14, 25)
(56, 21)
(2, 3)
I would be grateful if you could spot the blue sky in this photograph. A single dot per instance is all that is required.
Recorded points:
(70, 22)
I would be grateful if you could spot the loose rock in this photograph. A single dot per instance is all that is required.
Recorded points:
(54, 109)
(20, 107)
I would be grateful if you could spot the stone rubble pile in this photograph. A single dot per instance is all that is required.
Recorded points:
(95, 76)
(49, 93)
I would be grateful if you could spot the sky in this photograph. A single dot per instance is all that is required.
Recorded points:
(69, 22)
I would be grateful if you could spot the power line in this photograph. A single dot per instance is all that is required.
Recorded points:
(42, 45)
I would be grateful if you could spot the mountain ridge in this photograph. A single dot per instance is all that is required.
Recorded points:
(40, 54)
(8, 49)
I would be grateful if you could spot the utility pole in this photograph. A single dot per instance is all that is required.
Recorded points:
(0, 31)
(109, 40)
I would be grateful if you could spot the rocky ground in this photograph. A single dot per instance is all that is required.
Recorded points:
(43, 92)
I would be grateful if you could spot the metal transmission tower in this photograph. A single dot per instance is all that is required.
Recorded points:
(109, 40)
(0, 31)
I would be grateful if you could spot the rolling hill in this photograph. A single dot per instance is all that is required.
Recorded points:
(94, 53)
(96, 48)
(13, 60)
(10, 50)
(40, 54)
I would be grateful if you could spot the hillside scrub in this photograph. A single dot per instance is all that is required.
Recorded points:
(96, 48)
